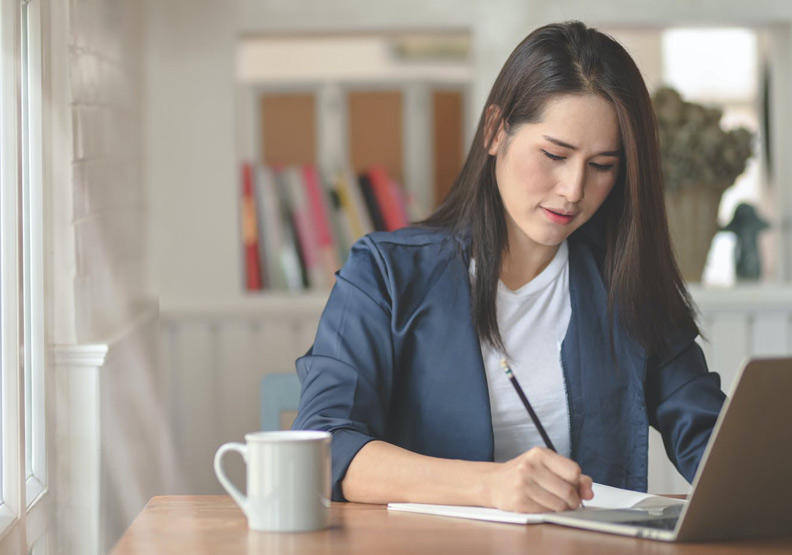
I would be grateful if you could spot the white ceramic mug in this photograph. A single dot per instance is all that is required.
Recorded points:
(288, 480)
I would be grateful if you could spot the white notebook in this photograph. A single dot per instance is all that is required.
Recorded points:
(605, 497)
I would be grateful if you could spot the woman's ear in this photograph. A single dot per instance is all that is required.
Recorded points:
(493, 138)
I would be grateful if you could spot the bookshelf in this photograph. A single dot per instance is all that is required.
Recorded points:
(352, 104)
(410, 130)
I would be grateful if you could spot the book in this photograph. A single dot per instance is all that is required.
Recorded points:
(271, 241)
(367, 192)
(387, 198)
(250, 231)
(605, 497)
(290, 258)
(307, 237)
(353, 204)
(319, 212)
(403, 206)
(341, 225)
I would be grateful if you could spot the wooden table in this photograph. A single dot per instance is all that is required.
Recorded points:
(214, 524)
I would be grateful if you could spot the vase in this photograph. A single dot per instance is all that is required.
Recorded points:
(693, 222)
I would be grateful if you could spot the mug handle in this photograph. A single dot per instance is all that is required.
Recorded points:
(241, 499)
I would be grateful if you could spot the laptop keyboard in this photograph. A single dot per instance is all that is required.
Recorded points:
(657, 523)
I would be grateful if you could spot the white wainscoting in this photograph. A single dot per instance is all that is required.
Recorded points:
(113, 442)
(216, 355)
(738, 323)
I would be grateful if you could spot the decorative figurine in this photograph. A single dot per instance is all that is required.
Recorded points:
(746, 225)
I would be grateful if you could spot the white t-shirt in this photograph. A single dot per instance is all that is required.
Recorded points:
(533, 321)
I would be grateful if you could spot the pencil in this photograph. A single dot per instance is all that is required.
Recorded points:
(529, 408)
(527, 405)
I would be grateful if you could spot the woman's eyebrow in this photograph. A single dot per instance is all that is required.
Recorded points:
(561, 143)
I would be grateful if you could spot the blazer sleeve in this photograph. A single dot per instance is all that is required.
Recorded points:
(347, 374)
(683, 402)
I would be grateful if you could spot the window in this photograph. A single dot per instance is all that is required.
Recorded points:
(715, 67)
(22, 449)
(720, 67)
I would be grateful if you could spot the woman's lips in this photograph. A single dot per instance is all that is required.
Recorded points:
(558, 217)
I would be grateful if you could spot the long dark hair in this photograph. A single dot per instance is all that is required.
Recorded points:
(644, 286)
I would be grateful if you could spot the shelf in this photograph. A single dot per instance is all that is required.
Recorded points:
(765, 297)
(753, 296)
(271, 302)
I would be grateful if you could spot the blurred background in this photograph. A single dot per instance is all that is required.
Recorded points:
(344, 88)
(192, 146)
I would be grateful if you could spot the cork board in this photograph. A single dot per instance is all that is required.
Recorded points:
(376, 131)
(288, 129)
(448, 140)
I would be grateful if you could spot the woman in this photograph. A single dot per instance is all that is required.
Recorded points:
(552, 252)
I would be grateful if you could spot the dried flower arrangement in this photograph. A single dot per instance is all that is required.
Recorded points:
(696, 151)
(700, 160)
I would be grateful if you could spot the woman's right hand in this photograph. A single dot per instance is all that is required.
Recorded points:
(538, 481)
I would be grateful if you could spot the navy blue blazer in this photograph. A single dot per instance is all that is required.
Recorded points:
(397, 358)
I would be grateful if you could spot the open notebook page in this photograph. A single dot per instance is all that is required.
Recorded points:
(605, 497)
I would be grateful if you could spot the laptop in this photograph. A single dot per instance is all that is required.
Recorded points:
(743, 486)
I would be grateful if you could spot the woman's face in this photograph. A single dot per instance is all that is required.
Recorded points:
(553, 175)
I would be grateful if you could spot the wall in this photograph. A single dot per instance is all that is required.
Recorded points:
(109, 215)
(189, 142)
(102, 323)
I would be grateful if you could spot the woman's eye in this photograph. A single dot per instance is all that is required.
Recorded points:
(602, 167)
(552, 156)
(598, 167)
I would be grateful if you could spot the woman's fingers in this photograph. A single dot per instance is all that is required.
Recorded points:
(560, 482)
(566, 468)
(586, 487)
(549, 498)
(566, 480)
(541, 480)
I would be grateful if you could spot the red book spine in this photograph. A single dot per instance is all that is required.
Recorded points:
(401, 202)
(320, 214)
(380, 183)
(250, 231)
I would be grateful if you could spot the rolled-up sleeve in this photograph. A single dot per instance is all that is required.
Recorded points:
(684, 400)
(347, 374)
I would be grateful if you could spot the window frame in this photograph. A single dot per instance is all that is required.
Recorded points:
(33, 210)
(10, 503)
(25, 507)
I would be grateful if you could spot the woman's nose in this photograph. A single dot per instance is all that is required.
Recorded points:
(573, 182)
